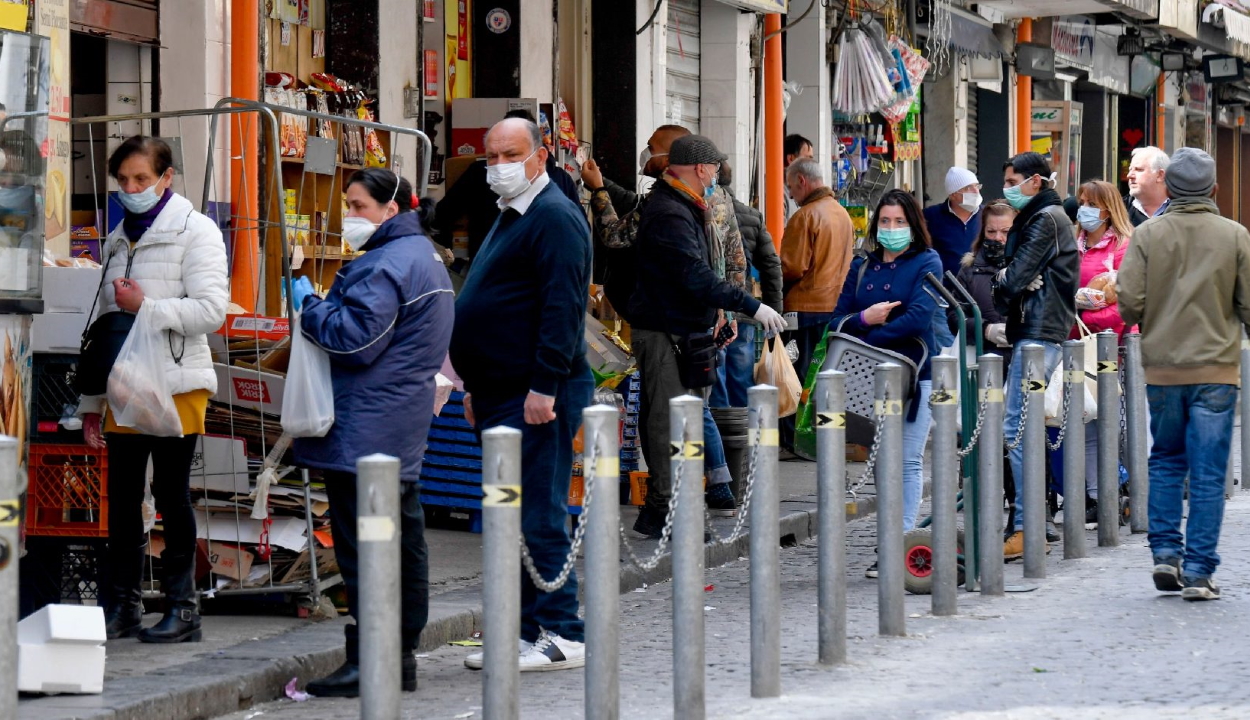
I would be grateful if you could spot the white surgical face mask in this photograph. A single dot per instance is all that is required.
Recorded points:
(140, 202)
(508, 180)
(357, 231)
(971, 202)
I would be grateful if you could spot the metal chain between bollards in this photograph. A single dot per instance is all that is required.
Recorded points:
(746, 496)
(976, 431)
(1024, 416)
(872, 456)
(1063, 424)
(667, 533)
(579, 535)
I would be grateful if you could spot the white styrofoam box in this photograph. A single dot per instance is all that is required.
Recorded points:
(257, 390)
(70, 290)
(57, 332)
(60, 668)
(63, 624)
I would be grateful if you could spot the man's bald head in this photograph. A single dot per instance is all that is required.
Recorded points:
(659, 144)
(517, 129)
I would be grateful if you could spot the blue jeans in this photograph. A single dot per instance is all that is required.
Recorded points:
(1015, 401)
(1193, 429)
(942, 334)
(736, 373)
(915, 436)
(714, 464)
(546, 467)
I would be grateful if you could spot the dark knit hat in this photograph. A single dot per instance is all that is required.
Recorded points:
(695, 150)
(1190, 174)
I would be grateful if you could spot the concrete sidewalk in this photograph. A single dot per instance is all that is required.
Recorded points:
(246, 660)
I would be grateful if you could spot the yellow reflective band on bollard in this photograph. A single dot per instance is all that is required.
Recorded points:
(1108, 366)
(883, 408)
(1074, 376)
(830, 421)
(768, 437)
(501, 496)
(942, 397)
(375, 528)
(994, 395)
(608, 467)
(693, 450)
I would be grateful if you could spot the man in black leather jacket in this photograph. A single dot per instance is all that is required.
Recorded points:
(1037, 293)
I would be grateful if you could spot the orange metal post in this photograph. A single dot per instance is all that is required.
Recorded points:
(245, 170)
(774, 133)
(1024, 96)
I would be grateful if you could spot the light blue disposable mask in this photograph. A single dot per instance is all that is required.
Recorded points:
(710, 190)
(894, 239)
(1016, 197)
(140, 202)
(17, 198)
(1090, 218)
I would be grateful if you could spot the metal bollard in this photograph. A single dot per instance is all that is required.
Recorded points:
(686, 436)
(990, 519)
(1074, 451)
(831, 516)
(1245, 412)
(1108, 440)
(377, 534)
(765, 547)
(945, 398)
(888, 408)
(501, 596)
(1137, 419)
(603, 560)
(11, 505)
(1034, 465)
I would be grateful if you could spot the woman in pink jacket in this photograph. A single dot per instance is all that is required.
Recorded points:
(1104, 237)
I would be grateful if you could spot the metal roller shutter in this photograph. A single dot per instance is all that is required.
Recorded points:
(129, 20)
(682, 74)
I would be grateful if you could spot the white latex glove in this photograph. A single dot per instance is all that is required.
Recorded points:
(1035, 285)
(772, 320)
(997, 334)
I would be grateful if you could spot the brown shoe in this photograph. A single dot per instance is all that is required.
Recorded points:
(1014, 546)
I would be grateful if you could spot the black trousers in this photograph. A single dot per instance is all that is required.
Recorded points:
(171, 479)
(414, 557)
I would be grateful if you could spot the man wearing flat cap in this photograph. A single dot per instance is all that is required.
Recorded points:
(1186, 281)
(674, 308)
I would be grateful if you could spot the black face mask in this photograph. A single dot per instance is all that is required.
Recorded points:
(994, 252)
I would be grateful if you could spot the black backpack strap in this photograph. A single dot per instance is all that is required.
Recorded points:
(96, 300)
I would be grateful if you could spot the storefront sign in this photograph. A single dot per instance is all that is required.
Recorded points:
(498, 21)
(52, 21)
(1072, 37)
(13, 15)
(763, 6)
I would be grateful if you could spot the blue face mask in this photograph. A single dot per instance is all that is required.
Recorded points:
(1015, 196)
(140, 202)
(894, 239)
(710, 190)
(19, 198)
(1090, 218)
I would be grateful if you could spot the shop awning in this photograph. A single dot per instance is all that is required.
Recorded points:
(1236, 25)
(970, 35)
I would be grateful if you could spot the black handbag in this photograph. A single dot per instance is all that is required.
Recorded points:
(102, 340)
(697, 360)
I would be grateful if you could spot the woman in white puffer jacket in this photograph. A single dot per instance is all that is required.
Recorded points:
(171, 259)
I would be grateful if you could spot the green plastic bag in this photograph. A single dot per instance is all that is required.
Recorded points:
(804, 433)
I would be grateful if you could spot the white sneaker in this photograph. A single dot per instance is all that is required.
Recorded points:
(474, 661)
(553, 652)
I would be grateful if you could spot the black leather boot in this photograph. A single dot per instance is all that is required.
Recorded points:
(408, 665)
(181, 623)
(124, 615)
(345, 682)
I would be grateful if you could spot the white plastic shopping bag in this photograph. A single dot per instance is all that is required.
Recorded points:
(308, 401)
(138, 391)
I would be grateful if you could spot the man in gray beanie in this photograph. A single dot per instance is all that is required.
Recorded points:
(1186, 281)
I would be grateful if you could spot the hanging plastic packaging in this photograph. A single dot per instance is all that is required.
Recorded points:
(308, 401)
(138, 391)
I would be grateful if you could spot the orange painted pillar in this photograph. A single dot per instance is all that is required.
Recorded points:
(774, 133)
(1024, 95)
(244, 145)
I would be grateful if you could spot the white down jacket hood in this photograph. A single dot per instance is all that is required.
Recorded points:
(180, 264)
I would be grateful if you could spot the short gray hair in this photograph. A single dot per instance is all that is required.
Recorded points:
(1155, 158)
(535, 133)
(808, 168)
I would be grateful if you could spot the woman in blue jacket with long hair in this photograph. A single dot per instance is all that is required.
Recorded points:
(385, 324)
(884, 303)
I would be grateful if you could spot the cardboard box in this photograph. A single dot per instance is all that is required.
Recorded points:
(220, 464)
(63, 624)
(61, 668)
(637, 488)
(257, 390)
(471, 118)
(57, 333)
(250, 326)
(70, 290)
(600, 352)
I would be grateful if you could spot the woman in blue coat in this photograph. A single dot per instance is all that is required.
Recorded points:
(386, 324)
(884, 302)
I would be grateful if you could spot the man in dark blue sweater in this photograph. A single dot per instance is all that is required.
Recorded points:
(519, 346)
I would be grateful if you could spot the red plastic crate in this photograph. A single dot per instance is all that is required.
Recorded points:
(68, 492)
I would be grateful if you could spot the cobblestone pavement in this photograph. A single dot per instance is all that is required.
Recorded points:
(1094, 640)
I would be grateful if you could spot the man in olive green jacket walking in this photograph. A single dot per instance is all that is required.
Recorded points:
(1186, 281)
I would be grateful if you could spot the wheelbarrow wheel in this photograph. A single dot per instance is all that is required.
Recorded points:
(918, 560)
